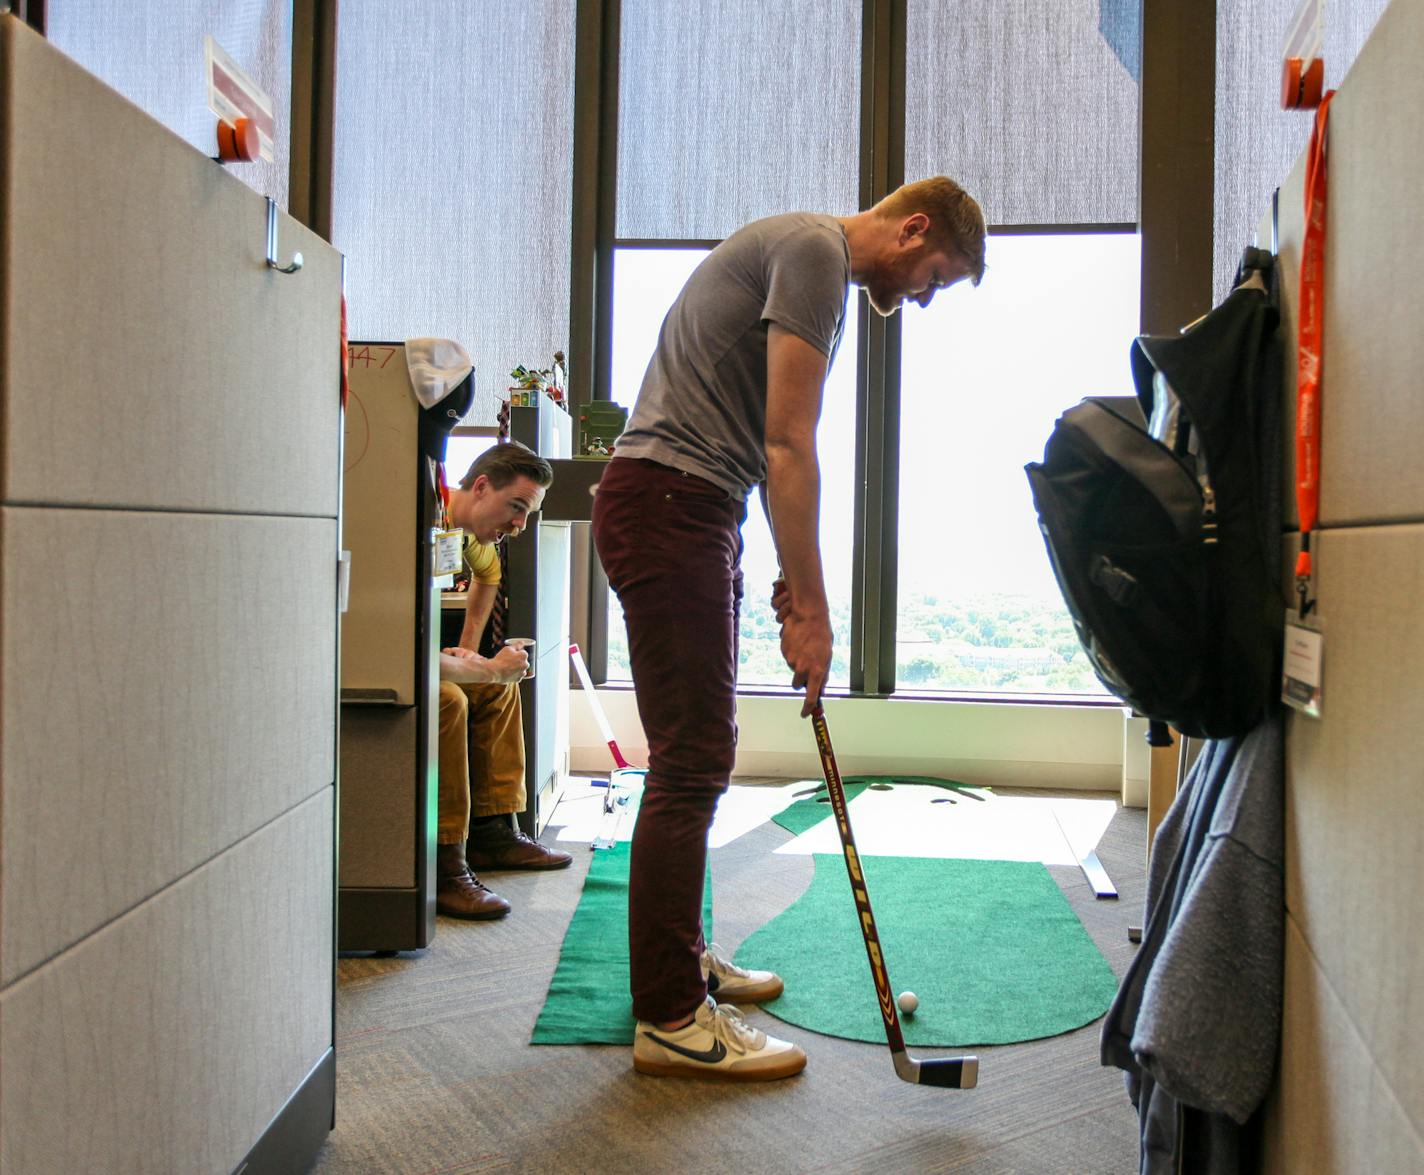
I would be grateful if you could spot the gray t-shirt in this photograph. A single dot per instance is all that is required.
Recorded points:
(702, 406)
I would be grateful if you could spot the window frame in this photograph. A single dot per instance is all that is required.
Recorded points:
(1175, 221)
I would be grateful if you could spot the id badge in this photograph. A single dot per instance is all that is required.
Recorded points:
(1303, 673)
(449, 551)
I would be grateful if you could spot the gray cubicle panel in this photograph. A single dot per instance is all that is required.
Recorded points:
(1350, 1088)
(168, 540)
(388, 663)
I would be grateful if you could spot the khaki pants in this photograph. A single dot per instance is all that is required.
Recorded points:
(481, 738)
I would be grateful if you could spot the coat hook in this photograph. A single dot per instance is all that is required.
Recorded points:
(272, 242)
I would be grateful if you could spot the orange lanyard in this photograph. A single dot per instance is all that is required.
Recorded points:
(1308, 353)
(345, 358)
(444, 492)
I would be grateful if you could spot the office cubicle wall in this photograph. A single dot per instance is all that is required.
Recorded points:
(388, 648)
(168, 541)
(1350, 1093)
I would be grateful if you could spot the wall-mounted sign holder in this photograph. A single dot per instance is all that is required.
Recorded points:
(238, 142)
(235, 97)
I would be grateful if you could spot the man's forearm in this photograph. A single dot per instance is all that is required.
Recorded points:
(470, 634)
(794, 496)
(478, 606)
(473, 670)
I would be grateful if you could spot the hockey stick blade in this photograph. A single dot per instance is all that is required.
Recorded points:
(944, 1072)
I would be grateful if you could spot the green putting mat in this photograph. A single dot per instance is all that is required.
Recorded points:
(810, 810)
(992, 949)
(588, 1000)
(806, 813)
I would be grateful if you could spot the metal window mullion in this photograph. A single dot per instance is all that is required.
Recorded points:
(868, 384)
(313, 113)
(708, 243)
(595, 191)
(595, 184)
(873, 591)
(1176, 162)
(32, 12)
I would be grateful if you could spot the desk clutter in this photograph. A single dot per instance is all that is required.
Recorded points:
(530, 384)
(600, 423)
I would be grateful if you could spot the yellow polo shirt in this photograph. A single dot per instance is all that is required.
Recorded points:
(483, 561)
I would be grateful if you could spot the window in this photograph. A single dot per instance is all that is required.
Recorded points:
(986, 372)
(646, 281)
(460, 454)
(451, 182)
(1034, 109)
(730, 110)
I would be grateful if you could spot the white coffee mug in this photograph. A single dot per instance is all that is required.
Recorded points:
(527, 644)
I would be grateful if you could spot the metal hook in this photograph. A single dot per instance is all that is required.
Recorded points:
(272, 242)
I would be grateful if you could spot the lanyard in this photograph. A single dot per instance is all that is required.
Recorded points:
(444, 491)
(345, 358)
(1308, 354)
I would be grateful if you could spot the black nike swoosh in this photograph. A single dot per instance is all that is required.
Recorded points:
(711, 1056)
(713, 983)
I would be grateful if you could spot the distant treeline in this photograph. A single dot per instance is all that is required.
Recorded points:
(988, 643)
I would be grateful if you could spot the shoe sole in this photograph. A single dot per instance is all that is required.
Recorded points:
(465, 916)
(477, 866)
(694, 1072)
(750, 995)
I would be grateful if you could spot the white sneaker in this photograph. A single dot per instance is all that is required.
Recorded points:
(719, 1045)
(731, 984)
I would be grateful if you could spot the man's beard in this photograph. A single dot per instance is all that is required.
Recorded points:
(886, 290)
(880, 301)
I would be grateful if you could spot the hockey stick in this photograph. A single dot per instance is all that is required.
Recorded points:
(946, 1072)
(621, 763)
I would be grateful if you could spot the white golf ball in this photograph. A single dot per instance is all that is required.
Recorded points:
(908, 1002)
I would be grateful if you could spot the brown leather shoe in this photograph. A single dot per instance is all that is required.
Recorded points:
(498, 845)
(458, 892)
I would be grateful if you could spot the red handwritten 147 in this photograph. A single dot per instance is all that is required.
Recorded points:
(364, 356)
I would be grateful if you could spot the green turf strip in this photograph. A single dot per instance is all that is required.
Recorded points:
(588, 1000)
(992, 949)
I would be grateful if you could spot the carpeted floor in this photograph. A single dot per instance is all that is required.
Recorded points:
(435, 1073)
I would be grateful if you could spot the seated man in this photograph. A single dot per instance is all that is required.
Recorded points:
(481, 729)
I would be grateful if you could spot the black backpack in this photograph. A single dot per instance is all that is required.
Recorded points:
(1165, 539)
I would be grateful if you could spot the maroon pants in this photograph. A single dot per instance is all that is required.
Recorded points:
(671, 545)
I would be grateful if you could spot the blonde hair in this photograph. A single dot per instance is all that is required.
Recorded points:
(956, 220)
